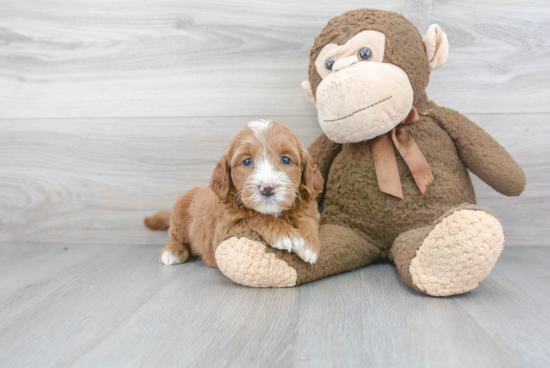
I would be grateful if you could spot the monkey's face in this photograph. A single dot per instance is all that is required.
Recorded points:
(360, 97)
(364, 89)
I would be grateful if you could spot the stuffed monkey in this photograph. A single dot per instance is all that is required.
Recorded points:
(395, 167)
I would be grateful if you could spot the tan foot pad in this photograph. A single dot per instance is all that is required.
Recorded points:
(458, 253)
(246, 262)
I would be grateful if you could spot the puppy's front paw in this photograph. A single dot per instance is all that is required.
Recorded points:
(307, 255)
(291, 244)
(310, 251)
(284, 243)
(297, 245)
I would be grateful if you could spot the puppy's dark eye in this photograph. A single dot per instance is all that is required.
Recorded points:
(285, 160)
(247, 162)
(329, 63)
(364, 54)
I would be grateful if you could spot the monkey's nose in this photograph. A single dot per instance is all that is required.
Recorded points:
(267, 190)
(344, 63)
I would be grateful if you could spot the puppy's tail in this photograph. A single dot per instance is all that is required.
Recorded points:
(159, 221)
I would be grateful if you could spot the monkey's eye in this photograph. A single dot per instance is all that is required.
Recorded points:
(285, 160)
(364, 54)
(247, 162)
(329, 63)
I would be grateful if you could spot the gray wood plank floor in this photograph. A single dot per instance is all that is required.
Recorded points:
(105, 306)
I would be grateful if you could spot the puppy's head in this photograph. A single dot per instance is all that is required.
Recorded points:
(266, 168)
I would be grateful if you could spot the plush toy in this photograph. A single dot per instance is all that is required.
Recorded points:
(395, 167)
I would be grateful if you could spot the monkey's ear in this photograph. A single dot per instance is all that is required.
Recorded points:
(221, 179)
(309, 92)
(437, 46)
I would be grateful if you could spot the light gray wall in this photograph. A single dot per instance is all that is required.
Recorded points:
(110, 109)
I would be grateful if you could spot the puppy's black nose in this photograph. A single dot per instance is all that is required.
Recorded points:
(267, 191)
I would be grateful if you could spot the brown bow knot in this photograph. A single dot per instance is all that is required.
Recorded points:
(385, 162)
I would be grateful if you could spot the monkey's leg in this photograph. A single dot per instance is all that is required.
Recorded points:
(247, 260)
(453, 255)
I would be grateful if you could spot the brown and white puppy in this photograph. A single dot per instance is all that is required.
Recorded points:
(265, 181)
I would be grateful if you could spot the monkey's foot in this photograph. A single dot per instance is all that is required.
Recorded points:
(458, 253)
(246, 262)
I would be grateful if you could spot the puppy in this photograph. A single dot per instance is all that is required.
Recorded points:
(265, 181)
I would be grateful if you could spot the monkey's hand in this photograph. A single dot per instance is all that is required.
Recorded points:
(480, 152)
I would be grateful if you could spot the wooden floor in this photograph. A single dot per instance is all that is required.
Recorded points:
(115, 306)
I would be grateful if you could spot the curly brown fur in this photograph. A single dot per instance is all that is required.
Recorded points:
(286, 217)
(159, 221)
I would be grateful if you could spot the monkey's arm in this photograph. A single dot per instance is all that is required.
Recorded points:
(324, 151)
(480, 152)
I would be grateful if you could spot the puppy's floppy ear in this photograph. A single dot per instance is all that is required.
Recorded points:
(311, 176)
(221, 178)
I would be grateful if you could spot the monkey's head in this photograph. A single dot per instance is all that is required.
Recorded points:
(367, 68)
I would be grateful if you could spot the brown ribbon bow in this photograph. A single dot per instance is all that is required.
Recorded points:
(385, 163)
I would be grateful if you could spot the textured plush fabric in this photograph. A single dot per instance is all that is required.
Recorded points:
(352, 198)
(453, 254)
(404, 46)
(479, 152)
(341, 250)
(246, 262)
(340, 99)
(360, 224)
(375, 40)
(437, 46)
(458, 253)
